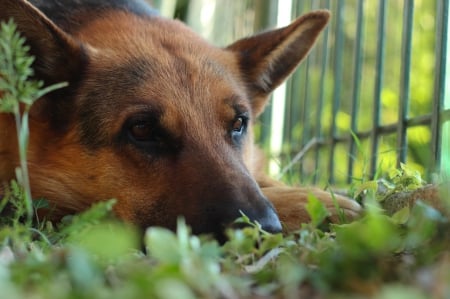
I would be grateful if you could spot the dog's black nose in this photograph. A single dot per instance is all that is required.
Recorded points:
(265, 216)
(270, 222)
(224, 216)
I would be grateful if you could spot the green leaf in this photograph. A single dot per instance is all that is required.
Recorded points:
(401, 216)
(162, 244)
(316, 210)
(366, 186)
(40, 203)
(375, 233)
(82, 270)
(110, 241)
(75, 225)
(173, 288)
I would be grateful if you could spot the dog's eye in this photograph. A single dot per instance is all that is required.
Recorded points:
(141, 131)
(148, 136)
(239, 127)
(238, 124)
(144, 135)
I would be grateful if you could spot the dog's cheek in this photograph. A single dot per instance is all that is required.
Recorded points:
(72, 178)
(154, 210)
(142, 190)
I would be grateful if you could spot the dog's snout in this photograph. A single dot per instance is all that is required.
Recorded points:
(224, 207)
(266, 217)
(223, 199)
(253, 205)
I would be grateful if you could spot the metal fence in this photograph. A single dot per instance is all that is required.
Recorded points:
(364, 74)
(372, 94)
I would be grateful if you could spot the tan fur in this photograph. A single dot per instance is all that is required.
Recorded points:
(148, 67)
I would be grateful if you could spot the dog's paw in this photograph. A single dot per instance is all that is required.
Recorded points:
(290, 204)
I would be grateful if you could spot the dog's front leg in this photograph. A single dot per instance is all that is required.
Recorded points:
(290, 204)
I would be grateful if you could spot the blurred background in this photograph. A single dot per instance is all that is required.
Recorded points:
(372, 94)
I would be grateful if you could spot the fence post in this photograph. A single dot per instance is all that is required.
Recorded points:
(337, 74)
(403, 102)
(378, 85)
(279, 96)
(440, 88)
(318, 124)
(265, 17)
(357, 75)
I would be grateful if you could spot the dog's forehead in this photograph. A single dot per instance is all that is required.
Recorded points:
(158, 64)
(161, 57)
(125, 36)
(154, 49)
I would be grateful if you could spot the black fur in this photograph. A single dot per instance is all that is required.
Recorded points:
(96, 103)
(70, 14)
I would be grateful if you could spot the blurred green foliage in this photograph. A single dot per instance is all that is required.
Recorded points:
(91, 255)
(304, 126)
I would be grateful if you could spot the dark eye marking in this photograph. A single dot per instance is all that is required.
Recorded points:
(144, 131)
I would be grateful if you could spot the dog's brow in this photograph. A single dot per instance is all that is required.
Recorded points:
(238, 104)
(136, 106)
(126, 75)
(140, 69)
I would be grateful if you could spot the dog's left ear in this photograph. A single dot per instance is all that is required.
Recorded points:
(266, 59)
(58, 56)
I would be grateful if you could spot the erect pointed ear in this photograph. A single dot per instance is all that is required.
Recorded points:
(268, 58)
(58, 56)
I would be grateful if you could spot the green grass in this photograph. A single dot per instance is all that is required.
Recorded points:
(93, 255)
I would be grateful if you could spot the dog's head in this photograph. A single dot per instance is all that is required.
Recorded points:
(153, 115)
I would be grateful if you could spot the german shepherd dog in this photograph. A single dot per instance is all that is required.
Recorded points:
(155, 116)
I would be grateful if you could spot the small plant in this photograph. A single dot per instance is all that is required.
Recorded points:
(18, 92)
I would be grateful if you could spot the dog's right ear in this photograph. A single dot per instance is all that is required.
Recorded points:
(58, 56)
(266, 59)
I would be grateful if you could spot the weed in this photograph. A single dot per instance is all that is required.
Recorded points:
(18, 93)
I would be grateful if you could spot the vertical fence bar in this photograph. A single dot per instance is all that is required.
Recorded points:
(378, 85)
(442, 19)
(295, 105)
(279, 97)
(265, 17)
(444, 163)
(306, 132)
(337, 74)
(290, 118)
(357, 75)
(405, 74)
(320, 100)
(292, 105)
